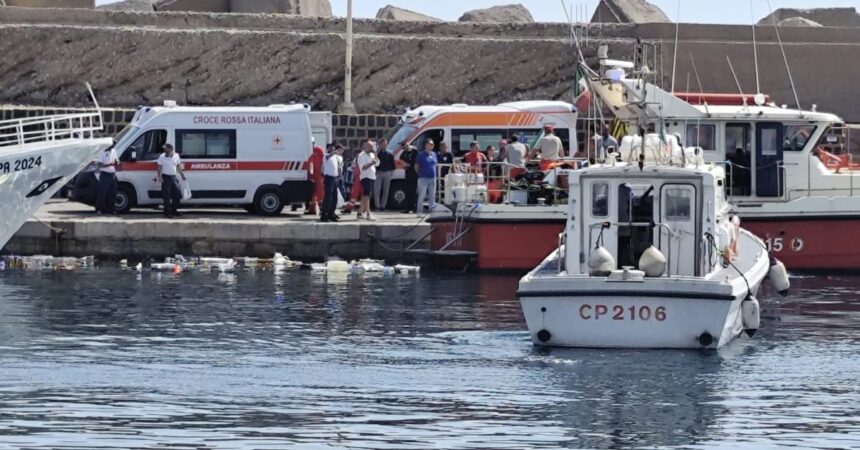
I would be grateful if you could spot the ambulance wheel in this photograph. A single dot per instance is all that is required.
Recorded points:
(125, 199)
(268, 201)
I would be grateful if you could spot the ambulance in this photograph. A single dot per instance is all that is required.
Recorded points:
(253, 157)
(459, 125)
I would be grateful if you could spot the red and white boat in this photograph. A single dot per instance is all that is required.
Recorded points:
(792, 178)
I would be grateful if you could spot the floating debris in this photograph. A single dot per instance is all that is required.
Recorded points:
(46, 262)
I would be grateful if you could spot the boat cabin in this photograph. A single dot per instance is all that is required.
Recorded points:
(771, 153)
(623, 209)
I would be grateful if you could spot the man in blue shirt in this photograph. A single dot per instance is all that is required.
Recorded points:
(425, 165)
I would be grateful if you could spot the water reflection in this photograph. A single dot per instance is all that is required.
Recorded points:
(301, 359)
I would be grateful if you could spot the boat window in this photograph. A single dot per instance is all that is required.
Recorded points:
(796, 136)
(678, 204)
(702, 135)
(216, 144)
(600, 200)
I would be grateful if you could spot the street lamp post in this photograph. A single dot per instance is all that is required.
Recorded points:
(347, 107)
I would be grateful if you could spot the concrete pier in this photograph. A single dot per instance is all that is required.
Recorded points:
(62, 228)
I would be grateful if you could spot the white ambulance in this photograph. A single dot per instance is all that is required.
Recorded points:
(460, 124)
(254, 157)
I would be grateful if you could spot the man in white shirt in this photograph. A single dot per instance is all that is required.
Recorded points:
(106, 195)
(367, 162)
(549, 147)
(332, 173)
(169, 166)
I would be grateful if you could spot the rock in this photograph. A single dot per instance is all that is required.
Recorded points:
(130, 5)
(404, 15)
(628, 11)
(86, 4)
(307, 8)
(828, 17)
(798, 22)
(499, 14)
(193, 5)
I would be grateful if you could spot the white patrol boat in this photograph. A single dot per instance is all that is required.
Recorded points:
(38, 156)
(651, 257)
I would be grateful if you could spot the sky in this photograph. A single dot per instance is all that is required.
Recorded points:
(692, 11)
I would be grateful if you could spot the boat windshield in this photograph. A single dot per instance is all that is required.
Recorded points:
(123, 135)
(403, 132)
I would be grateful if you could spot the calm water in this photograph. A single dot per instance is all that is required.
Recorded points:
(100, 359)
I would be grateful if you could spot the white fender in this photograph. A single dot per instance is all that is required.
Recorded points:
(779, 277)
(652, 262)
(600, 262)
(751, 315)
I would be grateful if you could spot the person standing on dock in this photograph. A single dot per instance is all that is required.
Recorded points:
(549, 147)
(315, 174)
(367, 162)
(333, 172)
(425, 166)
(446, 158)
(383, 176)
(106, 195)
(169, 166)
(406, 159)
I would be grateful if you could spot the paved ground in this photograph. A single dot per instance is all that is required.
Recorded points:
(64, 228)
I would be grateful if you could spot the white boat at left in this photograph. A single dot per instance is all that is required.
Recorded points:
(651, 257)
(38, 155)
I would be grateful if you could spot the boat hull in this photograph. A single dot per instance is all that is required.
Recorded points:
(615, 321)
(501, 245)
(35, 173)
(815, 243)
(800, 243)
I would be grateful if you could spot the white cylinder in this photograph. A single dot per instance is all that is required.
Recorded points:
(600, 262)
(751, 314)
(652, 262)
(779, 277)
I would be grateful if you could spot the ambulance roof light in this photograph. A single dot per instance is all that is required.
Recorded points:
(170, 103)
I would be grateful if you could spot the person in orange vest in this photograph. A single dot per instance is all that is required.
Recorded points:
(315, 174)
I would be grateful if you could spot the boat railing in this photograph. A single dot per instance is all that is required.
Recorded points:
(502, 181)
(18, 132)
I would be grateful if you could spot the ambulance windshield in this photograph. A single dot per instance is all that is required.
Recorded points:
(403, 132)
(126, 132)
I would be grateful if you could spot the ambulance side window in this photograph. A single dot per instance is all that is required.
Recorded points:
(147, 147)
(203, 144)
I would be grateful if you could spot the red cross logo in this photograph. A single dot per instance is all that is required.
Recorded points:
(278, 140)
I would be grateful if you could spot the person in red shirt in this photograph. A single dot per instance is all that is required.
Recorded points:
(475, 158)
(315, 174)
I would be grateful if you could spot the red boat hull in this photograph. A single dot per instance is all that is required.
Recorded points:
(501, 245)
(810, 244)
(801, 244)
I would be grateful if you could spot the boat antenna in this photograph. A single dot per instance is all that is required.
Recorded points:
(699, 82)
(755, 49)
(735, 75)
(675, 58)
(784, 57)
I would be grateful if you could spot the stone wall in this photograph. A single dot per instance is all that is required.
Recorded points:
(231, 59)
(348, 130)
(89, 4)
